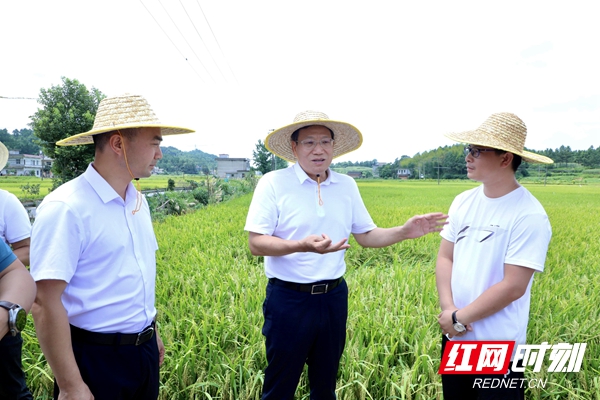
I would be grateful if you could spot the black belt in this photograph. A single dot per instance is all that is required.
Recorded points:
(319, 287)
(81, 335)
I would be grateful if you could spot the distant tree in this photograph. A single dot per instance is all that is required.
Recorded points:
(22, 140)
(26, 141)
(6, 138)
(261, 158)
(388, 171)
(189, 167)
(264, 161)
(589, 158)
(346, 164)
(563, 154)
(67, 110)
(175, 161)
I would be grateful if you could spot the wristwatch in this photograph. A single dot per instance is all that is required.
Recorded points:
(458, 327)
(17, 317)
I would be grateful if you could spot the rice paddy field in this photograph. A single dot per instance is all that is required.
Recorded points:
(17, 184)
(210, 291)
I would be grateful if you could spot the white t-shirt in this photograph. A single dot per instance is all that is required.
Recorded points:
(488, 233)
(85, 234)
(286, 205)
(14, 221)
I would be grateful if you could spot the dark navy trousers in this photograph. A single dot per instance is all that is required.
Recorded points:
(12, 378)
(302, 328)
(114, 372)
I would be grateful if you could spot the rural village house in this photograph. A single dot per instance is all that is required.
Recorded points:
(28, 165)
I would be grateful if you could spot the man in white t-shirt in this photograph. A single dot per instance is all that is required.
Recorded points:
(300, 219)
(496, 239)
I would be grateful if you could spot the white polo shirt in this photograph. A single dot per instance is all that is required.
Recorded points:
(14, 221)
(286, 205)
(86, 235)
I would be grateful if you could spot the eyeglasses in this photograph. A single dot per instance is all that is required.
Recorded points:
(309, 144)
(474, 151)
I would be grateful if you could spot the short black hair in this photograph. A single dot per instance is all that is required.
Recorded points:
(516, 161)
(297, 132)
(101, 139)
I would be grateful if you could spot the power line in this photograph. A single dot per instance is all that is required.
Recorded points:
(211, 31)
(202, 40)
(17, 98)
(161, 28)
(182, 35)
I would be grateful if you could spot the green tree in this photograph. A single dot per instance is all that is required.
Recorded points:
(26, 141)
(388, 171)
(22, 140)
(175, 161)
(264, 161)
(67, 110)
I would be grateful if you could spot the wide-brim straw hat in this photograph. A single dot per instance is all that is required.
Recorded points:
(122, 112)
(346, 137)
(504, 131)
(3, 156)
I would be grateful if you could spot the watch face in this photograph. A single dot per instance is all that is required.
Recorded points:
(21, 319)
(458, 327)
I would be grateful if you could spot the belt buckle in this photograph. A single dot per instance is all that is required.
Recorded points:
(144, 336)
(319, 289)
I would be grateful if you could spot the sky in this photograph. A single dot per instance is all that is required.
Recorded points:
(403, 72)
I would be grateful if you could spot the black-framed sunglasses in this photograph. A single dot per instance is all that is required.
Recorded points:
(474, 151)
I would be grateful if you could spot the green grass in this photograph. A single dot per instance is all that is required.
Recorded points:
(13, 184)
(210, 291)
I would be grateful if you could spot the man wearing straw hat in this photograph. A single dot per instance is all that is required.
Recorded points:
(300, 219)
(496, 238)
(93, 258)
(17, 290)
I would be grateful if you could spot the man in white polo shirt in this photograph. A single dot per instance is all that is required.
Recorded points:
(300, 219)
(93, 258)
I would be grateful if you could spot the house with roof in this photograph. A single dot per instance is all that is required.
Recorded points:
(232, 167)
(376, 167)
(404, 173)
(28, 165)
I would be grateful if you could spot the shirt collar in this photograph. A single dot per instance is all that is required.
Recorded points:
(103, 188)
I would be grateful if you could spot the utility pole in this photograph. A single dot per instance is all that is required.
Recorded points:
(438, 169)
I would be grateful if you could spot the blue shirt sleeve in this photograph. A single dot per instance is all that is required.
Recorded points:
(7, 257)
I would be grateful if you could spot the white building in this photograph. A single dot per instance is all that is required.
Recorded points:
(27, 164)
(232, 167)
(404, 173)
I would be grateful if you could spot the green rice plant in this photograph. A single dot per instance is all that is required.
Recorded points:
(210, 291)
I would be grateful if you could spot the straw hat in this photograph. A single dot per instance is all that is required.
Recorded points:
(3, 156)
(347, 137)
(504, 131)
(122, 112)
